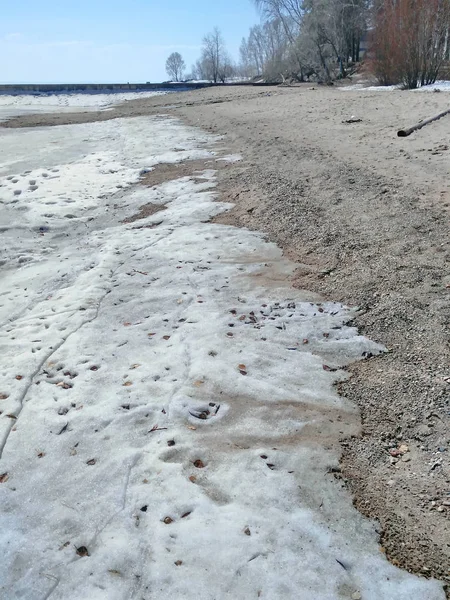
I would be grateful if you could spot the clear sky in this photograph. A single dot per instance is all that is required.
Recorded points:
(56, 41)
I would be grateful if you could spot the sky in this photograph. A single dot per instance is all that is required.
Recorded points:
(99, 41)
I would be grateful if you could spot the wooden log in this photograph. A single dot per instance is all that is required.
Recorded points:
(406, 132)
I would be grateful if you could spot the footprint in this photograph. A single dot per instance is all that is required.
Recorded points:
(205, 411)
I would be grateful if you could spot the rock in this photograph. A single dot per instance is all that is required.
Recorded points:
(406, 458)
(356, 596)
(403, 449)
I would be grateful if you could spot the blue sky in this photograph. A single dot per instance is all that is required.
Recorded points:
(49, 41)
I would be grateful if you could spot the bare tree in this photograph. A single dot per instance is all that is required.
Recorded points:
(322, 36)
(175, 66)
(213, 55)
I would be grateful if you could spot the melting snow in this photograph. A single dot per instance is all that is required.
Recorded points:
(440, 86)
(169, 422)
(18, 104)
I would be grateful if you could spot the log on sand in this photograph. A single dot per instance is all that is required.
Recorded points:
(406, 132)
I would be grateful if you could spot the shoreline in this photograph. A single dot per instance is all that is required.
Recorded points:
(351, 210)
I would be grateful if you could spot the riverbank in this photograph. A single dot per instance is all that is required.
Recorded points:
(366, 217)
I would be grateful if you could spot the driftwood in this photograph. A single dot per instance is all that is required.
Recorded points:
(406, 132)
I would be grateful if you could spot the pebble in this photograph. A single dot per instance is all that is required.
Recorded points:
(406, 458)
(356, 596)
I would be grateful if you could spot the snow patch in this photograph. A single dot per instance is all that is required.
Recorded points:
(16, 105)
(441, 86)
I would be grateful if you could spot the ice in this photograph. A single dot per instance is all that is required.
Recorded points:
(169, 418)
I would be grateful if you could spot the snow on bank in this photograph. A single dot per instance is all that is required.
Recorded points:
(166, 430)
(441, 86)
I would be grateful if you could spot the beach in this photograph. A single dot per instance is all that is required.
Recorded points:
(225, 351)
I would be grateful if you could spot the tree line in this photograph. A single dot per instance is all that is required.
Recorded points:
(402, 42)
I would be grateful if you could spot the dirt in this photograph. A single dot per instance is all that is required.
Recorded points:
(365, 214)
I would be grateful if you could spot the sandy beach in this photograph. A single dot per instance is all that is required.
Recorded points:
(188, 280)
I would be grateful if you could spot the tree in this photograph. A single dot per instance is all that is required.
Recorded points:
(410, 40)
(175, 66)
(320, 36)
(213, 56)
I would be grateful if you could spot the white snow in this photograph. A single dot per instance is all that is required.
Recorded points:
(86, 100)
(441, 86)
(115, 339)
(17, 104)
(369, 88)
